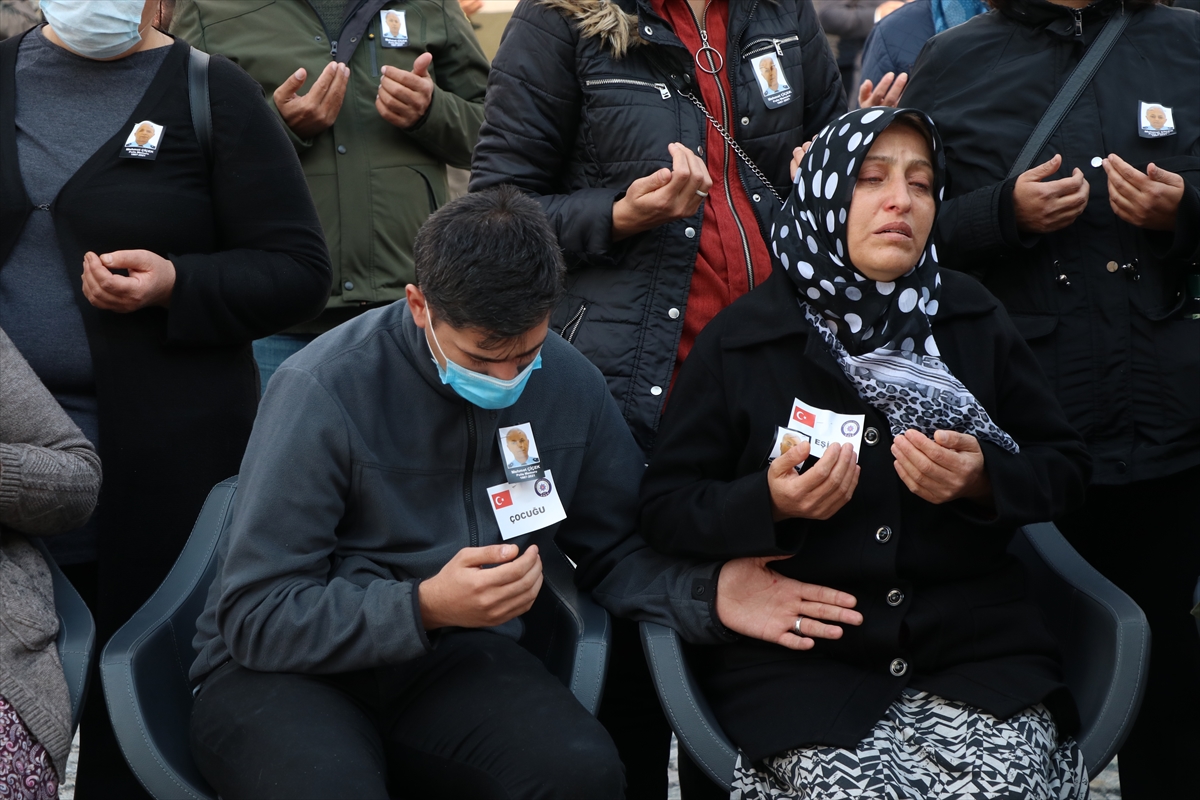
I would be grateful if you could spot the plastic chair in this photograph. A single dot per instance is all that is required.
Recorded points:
(76, 635)
(1104, 637)
(144, 666)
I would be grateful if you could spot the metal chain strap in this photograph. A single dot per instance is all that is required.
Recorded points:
(758, 173)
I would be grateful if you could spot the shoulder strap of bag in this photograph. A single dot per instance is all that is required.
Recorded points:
(1065, 100)
(199, 101)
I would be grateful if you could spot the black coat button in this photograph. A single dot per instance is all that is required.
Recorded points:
(895, 597)
(883, 534)
(898, 667)
(871, 436)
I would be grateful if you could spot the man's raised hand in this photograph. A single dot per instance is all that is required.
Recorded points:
(756, 601)
(404, 96)
(467, 593)
(664, 196)
(313, 113)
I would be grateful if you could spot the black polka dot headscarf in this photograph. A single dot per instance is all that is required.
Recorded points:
(879, 332)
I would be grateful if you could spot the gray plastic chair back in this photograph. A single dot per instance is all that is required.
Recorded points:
(1104, 637)
(76, 635)
(144, 666)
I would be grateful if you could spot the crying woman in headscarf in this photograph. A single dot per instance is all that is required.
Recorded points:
(910, 660)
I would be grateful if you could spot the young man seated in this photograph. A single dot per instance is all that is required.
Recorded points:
(360, 639)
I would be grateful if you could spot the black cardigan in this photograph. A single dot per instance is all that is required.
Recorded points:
(177, 389)
(964, 628)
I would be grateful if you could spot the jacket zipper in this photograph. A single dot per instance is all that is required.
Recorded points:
(572, 326)
(374, 59)
(1078, 21)
(776, 43)
(663, 91)
(468, 479)
(726, 112)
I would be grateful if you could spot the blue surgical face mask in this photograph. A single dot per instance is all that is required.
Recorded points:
(475, 387)
(96, 28)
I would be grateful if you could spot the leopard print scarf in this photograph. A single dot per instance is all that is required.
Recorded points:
(878, 332)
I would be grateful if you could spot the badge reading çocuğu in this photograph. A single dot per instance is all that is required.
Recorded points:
(1155, 121)
(825, 427)
(143, 141)
(776, 90)
(394, 27)
(519, 453)
(522, 508)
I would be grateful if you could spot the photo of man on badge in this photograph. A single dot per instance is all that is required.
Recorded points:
(396, 29)
(770, 75)
(1156, 117)
(518, 444)
(144, 136)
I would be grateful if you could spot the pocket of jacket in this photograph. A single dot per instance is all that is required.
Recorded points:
(1034, 326)
(569, 316)
(23, 609)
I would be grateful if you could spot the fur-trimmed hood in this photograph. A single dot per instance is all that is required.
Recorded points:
(616, 28)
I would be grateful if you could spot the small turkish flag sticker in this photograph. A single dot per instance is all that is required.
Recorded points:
(804, 417)
(502, 499)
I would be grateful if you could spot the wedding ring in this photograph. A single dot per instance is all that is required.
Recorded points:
(702, 194)
(796, 626)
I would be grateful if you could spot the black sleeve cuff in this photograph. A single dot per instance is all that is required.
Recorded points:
(420, 624)
(705, 589)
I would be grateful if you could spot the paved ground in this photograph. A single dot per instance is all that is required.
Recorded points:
(1104, 787)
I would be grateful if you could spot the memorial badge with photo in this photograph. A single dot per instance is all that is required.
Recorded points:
(518, 452)
(776, 90)
(143, 141)
(786, 439)
(1155, 121)
(394, 27)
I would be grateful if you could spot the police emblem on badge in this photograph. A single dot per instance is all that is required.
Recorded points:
(542, 487)
(849, 428)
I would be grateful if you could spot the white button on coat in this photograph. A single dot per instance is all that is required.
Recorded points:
(656, 390)
(673, 313)
(689, 232)
(1097, 161)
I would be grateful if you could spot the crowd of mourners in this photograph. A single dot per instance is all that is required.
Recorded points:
(779, 318)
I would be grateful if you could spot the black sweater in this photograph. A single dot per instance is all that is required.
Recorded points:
(177, 389)
(964, 628)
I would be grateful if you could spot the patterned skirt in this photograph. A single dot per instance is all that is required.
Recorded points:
(928, 748)
(26, 772)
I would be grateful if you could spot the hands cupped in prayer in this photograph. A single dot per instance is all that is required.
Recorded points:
(756, 601)
(820, 491)
(947, 467)
(664, 196)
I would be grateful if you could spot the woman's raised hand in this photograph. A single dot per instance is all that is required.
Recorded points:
(798, 155)
(818, 493)
(947, 467)
(755, 600)
(665, 196)
(150, 282)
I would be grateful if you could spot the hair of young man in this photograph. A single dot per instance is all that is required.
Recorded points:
(490, 261)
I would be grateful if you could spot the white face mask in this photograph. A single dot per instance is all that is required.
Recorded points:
(96, 28)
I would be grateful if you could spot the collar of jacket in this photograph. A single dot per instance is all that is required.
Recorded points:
(414, 345)
(1059, 19)
(622, 25)
(776, 313)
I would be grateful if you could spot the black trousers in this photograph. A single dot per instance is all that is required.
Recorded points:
(1145, 538)
(477, 718)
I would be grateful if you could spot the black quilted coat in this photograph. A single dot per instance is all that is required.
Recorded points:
(583, 99)
(1100, 300)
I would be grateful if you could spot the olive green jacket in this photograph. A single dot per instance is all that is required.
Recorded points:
(373, 184)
